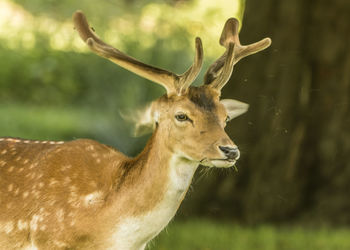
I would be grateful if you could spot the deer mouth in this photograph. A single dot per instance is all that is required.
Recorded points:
(219, 163)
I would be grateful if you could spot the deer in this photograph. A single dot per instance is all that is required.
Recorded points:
(82, 194)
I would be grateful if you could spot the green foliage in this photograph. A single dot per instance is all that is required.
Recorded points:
(43, 68)
(209, 235)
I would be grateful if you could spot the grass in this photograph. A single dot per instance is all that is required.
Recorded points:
(209, 235)
(41, 122)
(65, 123)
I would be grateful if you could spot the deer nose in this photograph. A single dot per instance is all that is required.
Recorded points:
(231, 153)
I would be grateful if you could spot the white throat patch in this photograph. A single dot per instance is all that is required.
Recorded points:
(136, 232)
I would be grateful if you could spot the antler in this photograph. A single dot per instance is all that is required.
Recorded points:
(174, 84)
(220, 71)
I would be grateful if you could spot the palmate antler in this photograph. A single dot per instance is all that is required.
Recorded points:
(174, 84)
(220, 71)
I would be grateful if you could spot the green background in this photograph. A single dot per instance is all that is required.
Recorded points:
(291, 190)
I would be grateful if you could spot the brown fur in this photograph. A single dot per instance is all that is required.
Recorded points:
(73, 195)
(86, 195)
(50, 182)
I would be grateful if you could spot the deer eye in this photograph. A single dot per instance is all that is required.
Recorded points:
(181, 117)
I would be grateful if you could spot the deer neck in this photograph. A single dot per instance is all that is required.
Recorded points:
(178, 170)
(158, 175)
(155, 183)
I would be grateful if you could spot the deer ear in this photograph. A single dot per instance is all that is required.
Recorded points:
(234, 108)
(144, 120)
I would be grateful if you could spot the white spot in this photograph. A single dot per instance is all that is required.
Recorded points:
(41, 184)
(92, 198)
(60, 142)
(72, 223)
(34, 222)
(43, 227)
(26, 141)
(52, 182)
(31, 247)
(20, 170)
(8, 227)
(37, 142)
(11, 169)
(31, 166)
(10, 187)
(4, 152)
(58, 150)
(18, 158)
(2, 163)
(52, 142)
(98, 160)
(25, 161)
(60, 215)
(16, 191)
(65, 167)
(25, 194)
(90, 148)
(73, 189)
(22, 225)
(16, 140)
(52, 202)
(36, 194)
(73, 197)
(2, 139)
(44, 141)
(60, 244)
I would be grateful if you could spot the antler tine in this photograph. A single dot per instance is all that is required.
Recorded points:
(220, 71)
(191, 74)
(172, 82)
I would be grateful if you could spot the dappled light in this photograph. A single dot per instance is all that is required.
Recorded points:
(19, 27)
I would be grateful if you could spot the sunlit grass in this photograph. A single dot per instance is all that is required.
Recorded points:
(209, 235)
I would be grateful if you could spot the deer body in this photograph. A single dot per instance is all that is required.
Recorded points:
(92, 198)
(85, 195)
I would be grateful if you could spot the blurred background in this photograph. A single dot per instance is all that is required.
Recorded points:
(291, 190)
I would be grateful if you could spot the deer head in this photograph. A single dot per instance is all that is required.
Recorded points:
(190, 119)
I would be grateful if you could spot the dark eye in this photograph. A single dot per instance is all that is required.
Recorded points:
(181, 117)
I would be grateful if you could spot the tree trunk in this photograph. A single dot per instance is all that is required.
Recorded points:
(295, 139)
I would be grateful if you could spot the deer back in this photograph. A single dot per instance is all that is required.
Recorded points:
(47, 187)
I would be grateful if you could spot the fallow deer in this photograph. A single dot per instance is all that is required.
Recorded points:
(82, 194)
